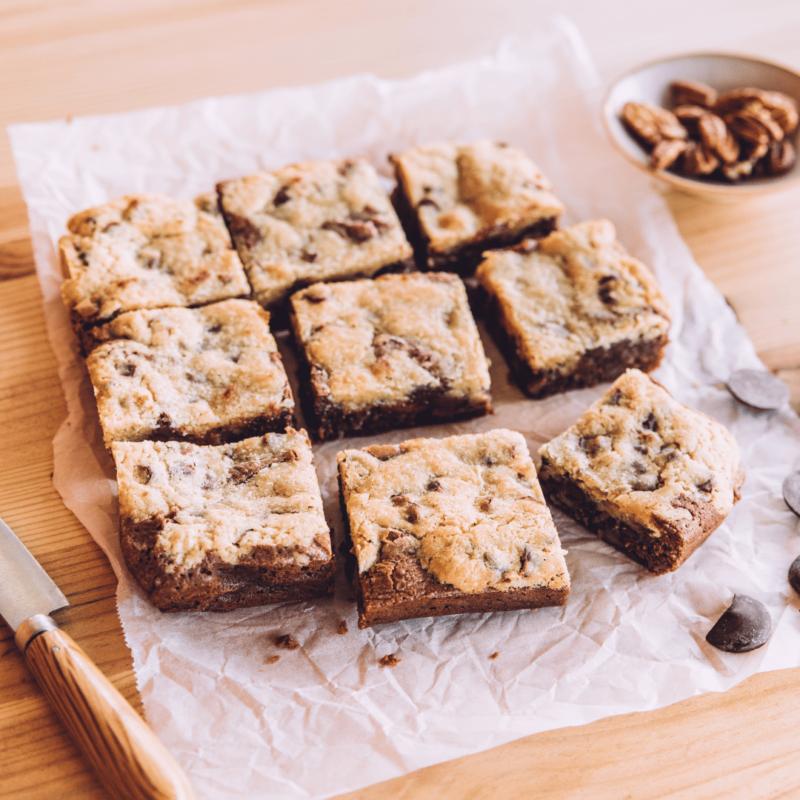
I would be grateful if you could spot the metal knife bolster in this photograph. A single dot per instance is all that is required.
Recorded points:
(31, 628)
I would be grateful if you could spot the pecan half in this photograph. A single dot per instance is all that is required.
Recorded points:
(689, 116)
(651, 124)
(717, 138)
(666, 153)
(782, 157)
(692, 92)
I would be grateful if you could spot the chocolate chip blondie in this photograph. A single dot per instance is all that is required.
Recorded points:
(647, 474)
(310, 222)
(204, 375)
(396, 351)
(147, 251)
(455, 201)
(573, 309)
(449, 526)
(224, 527)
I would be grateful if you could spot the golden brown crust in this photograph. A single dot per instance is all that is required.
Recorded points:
(311, 222)
(147, 251)
(468, 509)
(571, 293)
(470, 192)
(641, 466)
(189, 374)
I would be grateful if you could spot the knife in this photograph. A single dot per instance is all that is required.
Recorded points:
(129, 760)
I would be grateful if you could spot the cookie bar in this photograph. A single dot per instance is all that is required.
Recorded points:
(204, 375)
(147, 251)
(310, 222)
(218, 528)
(449, 526)
(392, 352)
(644, 472)
(573, 309)
(456, 201)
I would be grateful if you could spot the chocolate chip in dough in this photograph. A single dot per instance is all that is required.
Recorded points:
(794, 575)
(758, 389)
(745, 626)
(791, 491)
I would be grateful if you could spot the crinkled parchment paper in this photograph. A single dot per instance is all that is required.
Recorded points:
(326, 718)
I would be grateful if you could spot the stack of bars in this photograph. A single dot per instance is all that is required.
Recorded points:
(173, 302)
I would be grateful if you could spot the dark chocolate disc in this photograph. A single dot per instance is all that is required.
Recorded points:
(746, 625)
(758, 389)
(791, 492)
(794, 575)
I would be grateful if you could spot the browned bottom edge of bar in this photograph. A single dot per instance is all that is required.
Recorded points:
(266, 577)
(660, 550)
(398, 588)
(595, 366)
(424, 406)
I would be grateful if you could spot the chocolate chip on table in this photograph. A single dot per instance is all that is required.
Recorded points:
(758, 389)
(745, 626)
(794, 575)
(791, 491)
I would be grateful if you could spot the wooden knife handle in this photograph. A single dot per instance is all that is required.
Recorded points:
(130, 761)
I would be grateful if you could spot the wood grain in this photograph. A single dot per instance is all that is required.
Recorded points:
(97, 56)
(126, 755)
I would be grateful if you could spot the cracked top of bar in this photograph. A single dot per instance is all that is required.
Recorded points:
(188, 371)
(379, 340)
(462, 192)
(644, 457)
(226, 500)
(311, 222)
(147, 251)
(572, 291)
(469, 507)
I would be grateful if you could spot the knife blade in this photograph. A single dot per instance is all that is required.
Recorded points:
(25, 588)
(126, 755)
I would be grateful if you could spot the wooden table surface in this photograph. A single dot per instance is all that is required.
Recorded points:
(59, 59)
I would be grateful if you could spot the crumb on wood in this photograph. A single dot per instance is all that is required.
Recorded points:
(494, 655)
(390, 661)
(272, 659)
(287, 642)
(342, 628)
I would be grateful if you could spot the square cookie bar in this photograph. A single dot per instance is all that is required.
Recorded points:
(647, 474)
(573, 309)
(392, 352)
(204, 375)
(449, 526)
(218, 528)
(147, 251)
(456, 201)
(310, 222)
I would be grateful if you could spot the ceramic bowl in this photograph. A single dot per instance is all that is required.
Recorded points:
(650, 84)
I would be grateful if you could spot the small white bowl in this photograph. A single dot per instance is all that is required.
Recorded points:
(650, 84)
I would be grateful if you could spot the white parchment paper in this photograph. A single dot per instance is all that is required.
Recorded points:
(326, 718)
